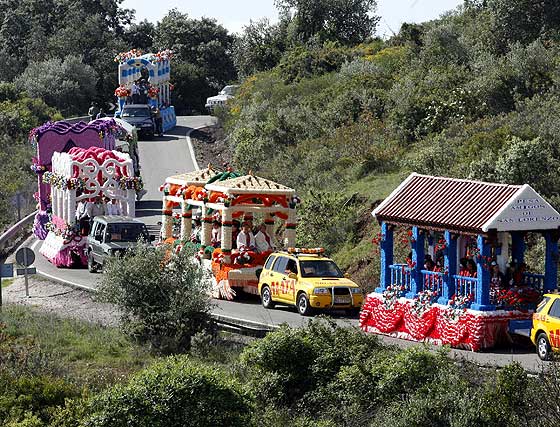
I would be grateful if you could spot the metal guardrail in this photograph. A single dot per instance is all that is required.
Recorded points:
(77, 119)
(11, 232)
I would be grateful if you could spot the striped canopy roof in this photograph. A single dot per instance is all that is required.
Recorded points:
(250, 184)
(198, 177)
(467, 206)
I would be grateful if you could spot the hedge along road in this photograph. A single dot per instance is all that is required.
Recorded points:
(170, 155)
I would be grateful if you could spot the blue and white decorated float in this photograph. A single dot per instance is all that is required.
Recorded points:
(150, 73)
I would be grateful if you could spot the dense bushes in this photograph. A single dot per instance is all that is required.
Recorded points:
(320, 375)
(162, 295)
(174, 392)
(323, 376)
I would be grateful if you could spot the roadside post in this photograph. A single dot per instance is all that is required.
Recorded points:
(6, 270)
(25, 257)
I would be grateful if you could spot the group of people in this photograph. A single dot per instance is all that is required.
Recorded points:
(139, 92)
(87, 210)
(95, 112)
(245, 237)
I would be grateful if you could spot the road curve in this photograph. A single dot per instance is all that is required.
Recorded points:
(170, 155)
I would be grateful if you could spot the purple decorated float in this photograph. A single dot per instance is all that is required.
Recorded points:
(61, 137)
(80, 176)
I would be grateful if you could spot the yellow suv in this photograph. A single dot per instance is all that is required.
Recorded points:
(308, 280)
(545, 332)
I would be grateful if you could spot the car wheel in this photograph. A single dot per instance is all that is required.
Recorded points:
(302, 305)
(266, 297)
(543, 347)
(92, 267)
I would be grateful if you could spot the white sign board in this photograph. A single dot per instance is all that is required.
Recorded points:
(526, 210)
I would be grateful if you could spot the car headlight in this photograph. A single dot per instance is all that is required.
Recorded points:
(321, 291)
(356, 290)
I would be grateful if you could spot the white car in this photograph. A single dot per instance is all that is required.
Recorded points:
(221, 99)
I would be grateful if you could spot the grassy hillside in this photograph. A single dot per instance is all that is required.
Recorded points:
(473, 94)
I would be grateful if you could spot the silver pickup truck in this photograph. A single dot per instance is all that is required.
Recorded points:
(112, 236)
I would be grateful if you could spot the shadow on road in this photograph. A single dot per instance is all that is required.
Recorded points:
(254, 300)
(148, 208)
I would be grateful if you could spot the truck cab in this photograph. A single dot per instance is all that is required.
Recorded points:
(112, 236)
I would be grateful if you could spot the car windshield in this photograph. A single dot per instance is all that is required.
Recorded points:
(126, 232)
(319, 269)
(542, 304)
(136, 112)
(228, 90)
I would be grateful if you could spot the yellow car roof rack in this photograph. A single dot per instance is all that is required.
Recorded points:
(306, 251)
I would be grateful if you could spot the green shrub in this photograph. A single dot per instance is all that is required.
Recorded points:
(163, 296)
(174, 392)
(290, 365)
(31, 399)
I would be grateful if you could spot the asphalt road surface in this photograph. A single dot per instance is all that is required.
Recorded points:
(170, 155)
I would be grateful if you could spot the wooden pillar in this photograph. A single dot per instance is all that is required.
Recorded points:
(517, 247)
(206, 235)
(71, 206)
(131, 203)
(386, 255)
(63, 211)
(551, 261)
(186, 221)
(482, 302)
(54, 201)
(450, 267)
(269, 222)
(166, 220)
(290, 233)
(418, 252)
(226, 243)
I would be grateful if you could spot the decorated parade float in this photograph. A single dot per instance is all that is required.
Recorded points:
(61, 137)
(152, 72)
(226, 197)
(454, 222)
(82, 175)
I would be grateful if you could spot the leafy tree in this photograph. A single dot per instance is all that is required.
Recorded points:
(191, 88)
(140, 36)
(524, 20)
(531, 162)
(201, 42)
(67, 84)
(300, 62)
(163, 296)
(346, 21)
(259, 47)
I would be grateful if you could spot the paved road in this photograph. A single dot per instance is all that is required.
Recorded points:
(170, 155)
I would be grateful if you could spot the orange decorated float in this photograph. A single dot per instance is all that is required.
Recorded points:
(214, 197)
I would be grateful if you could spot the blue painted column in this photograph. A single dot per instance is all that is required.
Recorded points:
(482, 301)
(418, 253)
(517, 247)
(450, 266)
(551, 261)
(386, 255)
